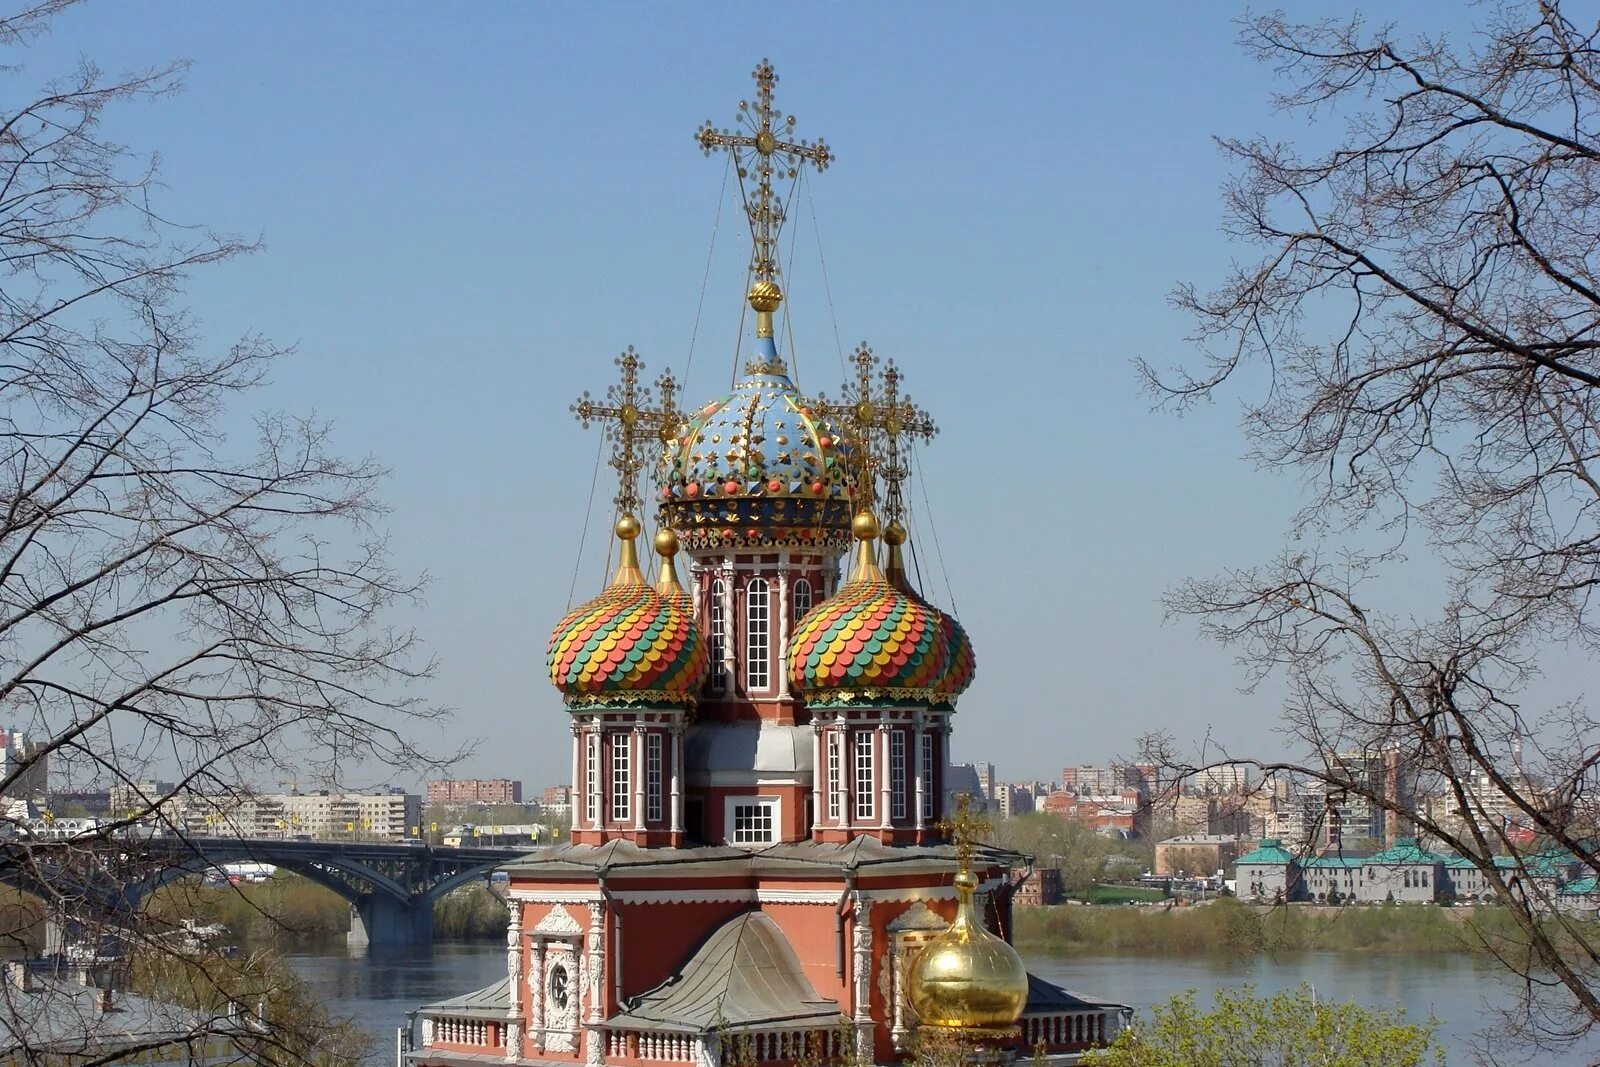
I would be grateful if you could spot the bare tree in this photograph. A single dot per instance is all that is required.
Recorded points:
(176, 604)
(1420, 327)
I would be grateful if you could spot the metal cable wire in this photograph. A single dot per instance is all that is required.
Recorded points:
(933, 528)
(826, 286)
(705, 278)
(588, 509)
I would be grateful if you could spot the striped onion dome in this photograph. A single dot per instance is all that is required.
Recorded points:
(869, 641)
(961, 663)
(629, 645)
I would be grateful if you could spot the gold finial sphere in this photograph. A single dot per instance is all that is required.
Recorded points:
(765, 295)
(894, 533)
(666, 542)
(627, 527)
(864, 526)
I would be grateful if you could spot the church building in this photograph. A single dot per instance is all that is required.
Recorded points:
(761, 868)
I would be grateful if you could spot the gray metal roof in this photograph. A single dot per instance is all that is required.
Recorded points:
(745, 975)
(65, 1016)
(791, 858)
(490, 1002)
(1048, 998)
(747, 748)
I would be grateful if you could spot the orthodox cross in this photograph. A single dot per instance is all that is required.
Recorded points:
(760, 152)
(877, 421)
(632, 418)
(964, 829)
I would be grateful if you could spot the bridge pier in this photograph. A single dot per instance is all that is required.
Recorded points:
(379, 920)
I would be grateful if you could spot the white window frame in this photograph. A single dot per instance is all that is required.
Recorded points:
(757, 634)
(653, 749)
(621, 778)
(802, 598)
(719, 638)
(835, 772)
(591, 778)
(866, 784)
(897, 774)
(773, 811)
(927, 775)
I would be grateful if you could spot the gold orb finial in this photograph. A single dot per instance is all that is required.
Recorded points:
(666, 542)
(765, 295)
(894, 533)
(627, 527)
(864, 525)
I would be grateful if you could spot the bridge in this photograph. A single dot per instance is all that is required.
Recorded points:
(391, 887)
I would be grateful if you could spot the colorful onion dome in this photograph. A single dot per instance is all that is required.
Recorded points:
(763, 465)
(961, 663)
(667, 585)
(869, 641)
(629, 645)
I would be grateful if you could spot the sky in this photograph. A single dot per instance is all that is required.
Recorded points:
(469, 210)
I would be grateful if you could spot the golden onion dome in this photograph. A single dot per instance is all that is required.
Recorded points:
(967, 980)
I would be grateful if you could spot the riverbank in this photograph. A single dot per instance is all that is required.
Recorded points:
(1229, 927)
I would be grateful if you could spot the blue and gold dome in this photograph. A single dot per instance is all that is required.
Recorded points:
(763, 465)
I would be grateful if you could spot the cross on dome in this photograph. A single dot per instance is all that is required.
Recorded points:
(629, 414)
(964, 828)
(760, 152)
(877, 419)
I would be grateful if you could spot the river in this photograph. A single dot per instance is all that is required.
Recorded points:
(1461, 992)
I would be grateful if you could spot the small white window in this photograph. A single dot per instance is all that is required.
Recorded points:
(652, 777)
(591, 777)
(752, 820)
(757, 611)
(802, 597)
(835, 784)
(897, 773)
(620, 781)
(719, 637)
(864, 779)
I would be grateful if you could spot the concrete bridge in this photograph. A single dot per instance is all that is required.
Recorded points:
(391, 887)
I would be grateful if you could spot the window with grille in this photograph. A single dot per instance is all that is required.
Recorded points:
(864, 796)
(620, 781)
(897, 773)
(652, 777)
(756, 627)
(719, 637)
(802, 597)
(753, 821)
(591, 778)
(835, 782)
(927, 776)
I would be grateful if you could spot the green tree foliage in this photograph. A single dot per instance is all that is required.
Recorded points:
(1081, 854)
(1289, 1029)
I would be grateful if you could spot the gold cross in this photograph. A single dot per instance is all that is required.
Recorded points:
(629, 412)
(877, 421)
(965, 829)
(760, 153)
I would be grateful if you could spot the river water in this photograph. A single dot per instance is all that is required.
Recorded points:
(1460, 992)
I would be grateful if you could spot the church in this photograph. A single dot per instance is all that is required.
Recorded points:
(763, 865)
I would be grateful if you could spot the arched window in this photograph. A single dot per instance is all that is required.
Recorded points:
(802, 597)
(719, 636)
(757, 611)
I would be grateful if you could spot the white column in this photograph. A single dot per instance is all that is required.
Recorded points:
(536, 969)
(819, 771)
(593, 1052)
(881, 768)
(636, 765)
(575, 795)
(847, 775)
(677, 776)
(730, 631)
(916, 761)
(783, 624)
(941, 762)
(514, 986)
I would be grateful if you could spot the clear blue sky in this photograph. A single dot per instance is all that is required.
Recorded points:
(469, 210)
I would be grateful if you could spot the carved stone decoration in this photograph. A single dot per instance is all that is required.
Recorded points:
(908, 932)
(514, 985)
(594, 1040)
(558, 922)
(560, 994)
(861, 970)
(427, 1032)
